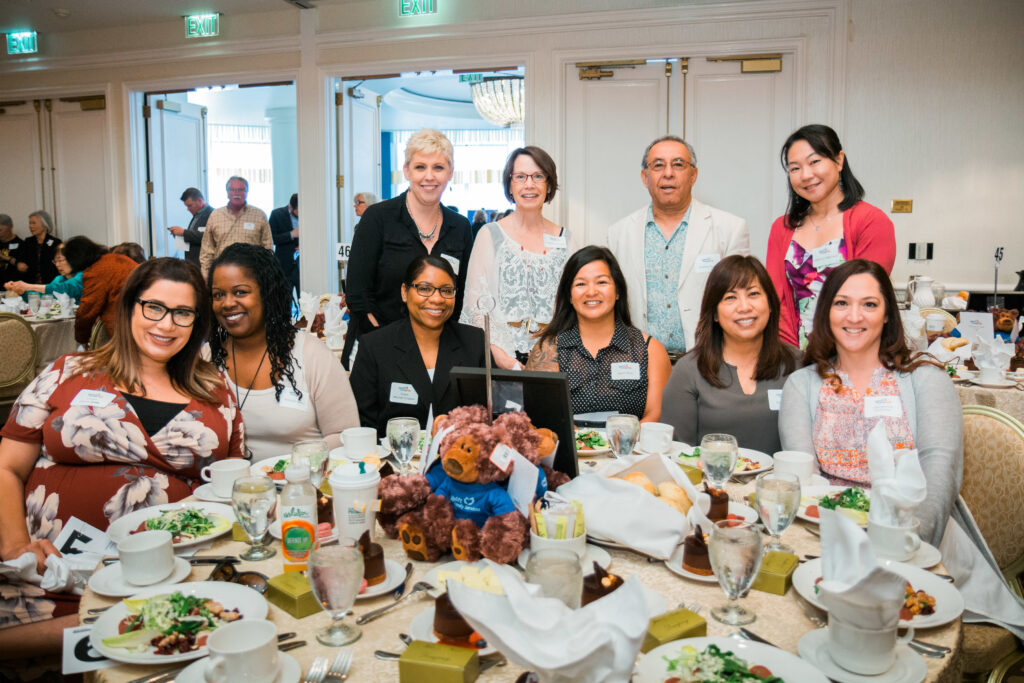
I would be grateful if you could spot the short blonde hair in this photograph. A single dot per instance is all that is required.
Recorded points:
(430, 141)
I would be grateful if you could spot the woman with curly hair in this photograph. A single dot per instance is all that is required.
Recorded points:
(289, 385)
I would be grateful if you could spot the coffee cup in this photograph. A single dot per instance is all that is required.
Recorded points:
(243, 650)
(990, 375)
(359, 442)
(354, 495)
(655, 437)
(864, 651)
(795, 462)
(576, 545)
(894, 542)
(222, 475)
(146, 557)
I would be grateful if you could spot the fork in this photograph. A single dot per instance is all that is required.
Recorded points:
(693, 607)
(316, 671)
(339, 668)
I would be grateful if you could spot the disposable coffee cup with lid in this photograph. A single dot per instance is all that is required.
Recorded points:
(354, 492)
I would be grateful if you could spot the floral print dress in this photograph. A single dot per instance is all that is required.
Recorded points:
(806, 280)
(97, 463)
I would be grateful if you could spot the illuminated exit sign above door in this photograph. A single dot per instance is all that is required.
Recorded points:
(411, 7)
(22, 43)
(202, 25)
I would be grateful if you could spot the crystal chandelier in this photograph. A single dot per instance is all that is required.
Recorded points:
(499, 100)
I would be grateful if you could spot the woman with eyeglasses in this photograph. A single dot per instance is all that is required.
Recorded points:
(101, 434)
(103, 277)
(402, 369)
(290, 386)
(517, 261)
(67, 281)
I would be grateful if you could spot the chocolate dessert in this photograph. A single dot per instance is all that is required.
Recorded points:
(695, 554)
(373, 560)
(324, 509)
(598, 585)
(449, 626)
(719, 509)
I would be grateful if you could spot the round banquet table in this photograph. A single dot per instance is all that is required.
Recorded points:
(1010, 400)
(56, 337)
(780, 619)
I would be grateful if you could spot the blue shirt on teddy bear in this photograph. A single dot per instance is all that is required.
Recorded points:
(474, 501)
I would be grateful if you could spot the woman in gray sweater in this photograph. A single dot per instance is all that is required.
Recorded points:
(731, 380)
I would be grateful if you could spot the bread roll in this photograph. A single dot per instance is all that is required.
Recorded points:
(641, 480)
(954, 343)
(673, 494)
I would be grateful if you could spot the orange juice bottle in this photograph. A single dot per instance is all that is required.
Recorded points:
(298, 518)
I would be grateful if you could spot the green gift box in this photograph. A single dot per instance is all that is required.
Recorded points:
(424, 662)
(238, 533)
(291, 592)
(693, 473)
(670, 626)
(776, 574)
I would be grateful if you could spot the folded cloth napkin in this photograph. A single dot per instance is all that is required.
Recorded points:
(334, 323)
(65, 302)
(854, 588)
(308, 305)
(994, 353)
(913, 328)
(957, 357)
(598, 642)
(955, 303)
(898, 485)
(63, 574)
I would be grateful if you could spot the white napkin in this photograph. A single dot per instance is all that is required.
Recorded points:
(957, 357)
(955, 303)
(854, 588)
(598, 642)
(994, 353)
(65, 302)
(308, 305)
(63, 574)
(898, 485)
(334, 323)
(913, 328)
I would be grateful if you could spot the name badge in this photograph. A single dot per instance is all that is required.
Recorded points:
(774, 399)
(826, 255)
(882, 406)
(502, 457)
(554, 241)
(625, 371)
(249, 226)
(12, 246)
(404, 393)
(512, 405)
(201, 228)
(49, 243)
(706, 262)
(290, 399)
(452, 260)
(92, 398)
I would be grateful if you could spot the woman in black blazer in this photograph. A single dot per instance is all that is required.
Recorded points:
(401, 369)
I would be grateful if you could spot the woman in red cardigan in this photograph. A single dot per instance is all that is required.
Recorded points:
(826, 224)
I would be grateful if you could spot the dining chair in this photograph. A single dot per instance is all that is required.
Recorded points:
(993, 488)
(98, 336)
(18, 360)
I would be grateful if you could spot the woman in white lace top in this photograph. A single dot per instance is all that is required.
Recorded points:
(516, 261)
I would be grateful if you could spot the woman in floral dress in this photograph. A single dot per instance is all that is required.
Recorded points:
(101, 434)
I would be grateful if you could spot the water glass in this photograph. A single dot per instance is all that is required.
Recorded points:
(403, 437)
(33, 302)
(254, 499)
(778, 499)
(622, 432)
(314, 454)
(718, 453)
(735, 552)
(335, 573)
(559, 575)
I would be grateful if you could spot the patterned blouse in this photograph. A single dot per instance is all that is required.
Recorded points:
(841, 428)
(663, 261)
(615, 380)
(806, 280)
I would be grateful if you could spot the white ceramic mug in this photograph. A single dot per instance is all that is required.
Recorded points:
(894, 542)
(863, 651)
(244, 650)
(990, 375)
(577, 545)
(146, 557)
(655, 437)
(795, 462)
(222, 475)
(359, 442)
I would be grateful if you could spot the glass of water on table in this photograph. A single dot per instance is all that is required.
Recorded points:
(403, 437)
(718, 454)
(778, 499)
(335, 573)
(314, 453)
(254, 499)
(735, 554)
(622, 432)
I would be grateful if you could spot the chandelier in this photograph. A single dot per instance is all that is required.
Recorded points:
(499, 100)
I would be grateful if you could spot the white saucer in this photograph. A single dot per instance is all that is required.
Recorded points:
(288, 670)
(205, 492)
(393, 579)
(109, 581)
(908, 667)
(998, 384)
(926, 556)
(675, 565)
(594, 554)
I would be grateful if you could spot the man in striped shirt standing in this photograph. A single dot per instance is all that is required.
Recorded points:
(236, 222)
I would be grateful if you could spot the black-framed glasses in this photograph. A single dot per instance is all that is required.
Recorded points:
(677, 165)
(155, 311)
(225, 571)
(427, 290)
(520, 178)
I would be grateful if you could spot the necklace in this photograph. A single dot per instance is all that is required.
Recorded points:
(826, 221)
(428, 235)
(234, 364)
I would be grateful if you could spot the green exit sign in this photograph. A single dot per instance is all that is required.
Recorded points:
(202, 25)
(471, 78)
(22, 43)
(411, 7)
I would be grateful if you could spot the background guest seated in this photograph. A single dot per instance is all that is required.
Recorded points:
(67, 282)
(103, 276)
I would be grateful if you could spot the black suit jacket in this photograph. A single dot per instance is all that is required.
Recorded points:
(194, 233)
(390, 355)
(284, 245)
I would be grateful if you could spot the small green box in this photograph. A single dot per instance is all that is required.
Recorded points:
(776, 574)
(670, 626)
(238, 533)
(693, 473)
(424, 662)
(291, 592)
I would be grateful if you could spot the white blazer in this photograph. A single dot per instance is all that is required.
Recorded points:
(710, 232)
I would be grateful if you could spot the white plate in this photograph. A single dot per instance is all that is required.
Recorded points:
(205, 493)
(589, 453)
(763, 460)
(949, 604)
(257, 467)
(675, 565)
(121, 528)
(674, 448)
(748, 514)
(908, 667)
(275, 530)
(110, 581)
(817, 492)
(393, 579)
(926, 556)
(594, 554)
(422, 628)
(288, 670)
(998, 384)
(431, 576)
(651, 667)
(231, 595)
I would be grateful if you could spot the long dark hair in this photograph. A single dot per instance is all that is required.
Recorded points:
(824, 141)
(738, 272)
(81, 252)
(275, 293)
(893, 352)
(564, 317)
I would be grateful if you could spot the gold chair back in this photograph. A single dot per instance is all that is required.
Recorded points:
(18, 359)
(98, 337)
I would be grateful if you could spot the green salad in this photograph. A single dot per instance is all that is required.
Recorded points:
(280, 465)
(182, 523)
(713, 666)
(171, 623)
(590, 440)
(852, 502)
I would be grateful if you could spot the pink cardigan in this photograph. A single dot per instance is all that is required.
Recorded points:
(868, 233)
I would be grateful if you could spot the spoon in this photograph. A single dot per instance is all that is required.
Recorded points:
(370, 616)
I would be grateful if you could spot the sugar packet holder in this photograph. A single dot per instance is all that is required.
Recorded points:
(554, 517)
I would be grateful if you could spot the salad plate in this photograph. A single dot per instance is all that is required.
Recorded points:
(272, 467)
(591, 442)
(212, 520)
(748, 462)
(681, 656)
(854, 505)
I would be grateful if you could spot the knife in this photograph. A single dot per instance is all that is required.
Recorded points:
(397, 593)
(170, 674)
(750, 635)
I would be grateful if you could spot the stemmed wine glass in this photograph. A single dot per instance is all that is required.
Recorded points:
(622, 432)
(254, 499)
(335, 573)
(315, 453)
(735, 553)
(718, 453)
(403, 436)
(778, 499)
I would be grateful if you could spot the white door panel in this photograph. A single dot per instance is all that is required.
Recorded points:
(80, 151)
(360, 141)
(177, 160)
(21, 191)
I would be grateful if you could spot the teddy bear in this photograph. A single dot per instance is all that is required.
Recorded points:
(1004, 320)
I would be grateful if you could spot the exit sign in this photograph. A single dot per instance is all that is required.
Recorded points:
(471, 78)
(22, 43)
(202, 25)
(411, 7)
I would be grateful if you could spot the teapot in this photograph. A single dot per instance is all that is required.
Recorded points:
(919, 291)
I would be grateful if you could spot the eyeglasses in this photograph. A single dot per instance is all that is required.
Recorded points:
(426, 290)
(151, 310)
(225, 571)
(520, 178)
(358, 202)
(677, 165)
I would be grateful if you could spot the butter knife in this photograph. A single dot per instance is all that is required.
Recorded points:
(750, 635)
(397, 593)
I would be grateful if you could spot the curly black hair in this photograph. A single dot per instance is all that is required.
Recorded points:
(275, 293)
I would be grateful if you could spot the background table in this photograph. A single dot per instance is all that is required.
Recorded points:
(1007, 400)
(56, 337)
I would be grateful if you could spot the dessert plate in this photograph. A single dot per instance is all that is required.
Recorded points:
(288, 670)
(652, 666)
(393, 579)
(205, 493)
(122, 527)
(431, 576)
(422, 628)
(908, 667)
(594, 554)
(998, 384)
(110, 581)
(748, 513)
(675, 565)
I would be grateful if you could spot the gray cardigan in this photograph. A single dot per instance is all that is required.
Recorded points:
(936, 420)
